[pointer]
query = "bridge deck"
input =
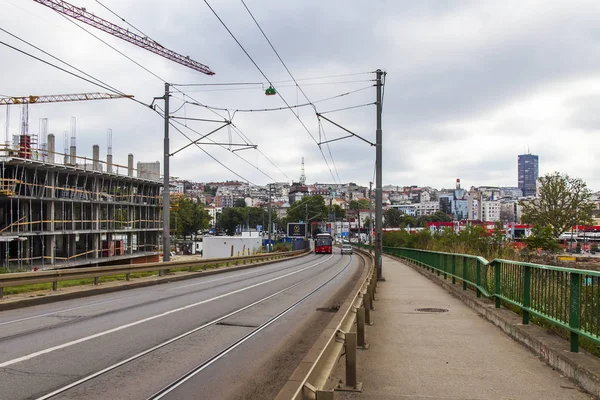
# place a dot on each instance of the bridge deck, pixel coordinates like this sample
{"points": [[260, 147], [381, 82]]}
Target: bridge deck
{"points": [[448, 355]]}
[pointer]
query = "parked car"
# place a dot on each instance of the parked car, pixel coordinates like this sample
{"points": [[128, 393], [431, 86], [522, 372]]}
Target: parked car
{"points": [[346, 249]]}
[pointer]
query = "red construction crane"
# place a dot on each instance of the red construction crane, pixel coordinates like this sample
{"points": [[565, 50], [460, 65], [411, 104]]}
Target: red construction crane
{"points": [[82, 15]]}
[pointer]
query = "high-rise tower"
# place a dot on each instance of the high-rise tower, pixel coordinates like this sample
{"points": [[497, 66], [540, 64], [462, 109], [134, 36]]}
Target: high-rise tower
{"points": [[528, 174]]}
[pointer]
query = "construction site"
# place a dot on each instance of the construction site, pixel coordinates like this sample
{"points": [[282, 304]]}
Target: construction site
{"points": [[58, 209]]}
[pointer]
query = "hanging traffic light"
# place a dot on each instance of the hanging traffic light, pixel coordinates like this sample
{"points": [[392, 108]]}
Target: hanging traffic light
{"points": [[270, 91]]}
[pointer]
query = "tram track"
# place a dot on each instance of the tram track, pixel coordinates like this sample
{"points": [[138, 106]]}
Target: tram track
{"points": [[79, 319], [216, 321]]}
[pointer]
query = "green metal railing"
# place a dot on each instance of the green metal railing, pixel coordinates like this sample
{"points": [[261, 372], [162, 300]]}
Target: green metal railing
{"points": [[565, 297]]}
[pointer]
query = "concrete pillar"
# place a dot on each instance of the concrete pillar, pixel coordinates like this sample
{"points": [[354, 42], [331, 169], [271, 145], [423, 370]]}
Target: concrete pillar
{"points": [[109, 163], [51, 148], [130, 165], [73, 155], [96, 157]]}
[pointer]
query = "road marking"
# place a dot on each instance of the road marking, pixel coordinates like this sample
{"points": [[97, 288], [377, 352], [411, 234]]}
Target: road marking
{"points": [[141, 321], [62, 311], [214, 280], [165, 343]]}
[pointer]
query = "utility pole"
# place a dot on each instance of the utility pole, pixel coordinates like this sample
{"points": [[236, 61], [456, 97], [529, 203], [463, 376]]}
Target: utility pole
{"points": [[378, 181], [370, 217], [270, 225], [166, 189]]}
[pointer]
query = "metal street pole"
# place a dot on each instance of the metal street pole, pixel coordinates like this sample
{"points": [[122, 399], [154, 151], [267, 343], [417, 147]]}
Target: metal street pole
{"points": [[166, 190], [270, 224], [378, 181]]}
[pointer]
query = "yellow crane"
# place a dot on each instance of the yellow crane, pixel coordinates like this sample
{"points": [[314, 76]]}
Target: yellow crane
{"points": [[59, 98], [55, 98]]}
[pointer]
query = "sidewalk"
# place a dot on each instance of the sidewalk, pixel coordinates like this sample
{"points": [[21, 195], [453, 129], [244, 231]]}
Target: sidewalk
{"points": [[444, 355]]}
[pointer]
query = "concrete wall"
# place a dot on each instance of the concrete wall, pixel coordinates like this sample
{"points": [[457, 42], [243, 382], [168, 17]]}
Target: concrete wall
{"points": [[220, 246]]}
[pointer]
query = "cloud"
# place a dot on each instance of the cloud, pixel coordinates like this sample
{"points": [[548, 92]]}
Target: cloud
{"points": [[470, 85]]}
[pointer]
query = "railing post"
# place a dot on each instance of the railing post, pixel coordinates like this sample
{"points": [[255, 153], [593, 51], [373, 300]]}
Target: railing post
{"points": [[478, 278], [54, 286], [360, 328], [95, 281], [464, 273], [445, 265], [453, 269], [127, 277], [497, 285], [350, 344], [526, 294], [439, 262], [367, 307], [575, 309], [1, 292]]}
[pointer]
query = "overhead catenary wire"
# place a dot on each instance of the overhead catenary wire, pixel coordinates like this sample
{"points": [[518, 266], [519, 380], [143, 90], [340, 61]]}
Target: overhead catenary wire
{"points": [[106, 85], [149, 71], [233, 152], [280, 108], [283, 81], [297, 86], [69, 72], [263, 84], [265, 76], [127, 22], [210, 155]]}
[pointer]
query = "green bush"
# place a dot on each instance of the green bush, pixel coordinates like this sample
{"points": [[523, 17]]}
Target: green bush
{"points": [[282, 247]]}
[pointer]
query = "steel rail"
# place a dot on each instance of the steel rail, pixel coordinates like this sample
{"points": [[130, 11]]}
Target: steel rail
{"points": [[174, 385], [183, 335], [312, 374], [57, 275]]}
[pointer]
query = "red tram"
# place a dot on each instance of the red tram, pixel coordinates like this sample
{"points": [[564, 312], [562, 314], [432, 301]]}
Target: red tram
{"points": [[323, 244]]}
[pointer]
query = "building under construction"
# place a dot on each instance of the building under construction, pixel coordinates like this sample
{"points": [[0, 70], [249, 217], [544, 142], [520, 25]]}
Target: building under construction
{"points": [[61, 210]]}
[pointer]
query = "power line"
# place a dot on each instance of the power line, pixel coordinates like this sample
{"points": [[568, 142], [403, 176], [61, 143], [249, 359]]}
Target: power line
{"points": [[67, 71], [265, 76], [235, 153], [295, 81], [280, 108], [347, 108], [112, 47], [158, 77], [284, 81], [123, 19], [208, 154]]}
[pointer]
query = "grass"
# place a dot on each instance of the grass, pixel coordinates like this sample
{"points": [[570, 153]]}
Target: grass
{"points": [[41, 287]]}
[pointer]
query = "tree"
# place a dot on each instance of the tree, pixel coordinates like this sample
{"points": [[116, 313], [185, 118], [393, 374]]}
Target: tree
{"points": [[561, 203], [312, 207], [392, 218], [339, 212], [230, 218], [359, 204], [542, 238], [189, 217]]}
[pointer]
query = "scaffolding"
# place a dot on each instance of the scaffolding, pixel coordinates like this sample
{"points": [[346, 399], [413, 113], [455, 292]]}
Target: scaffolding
{"points": [[70, 214]]}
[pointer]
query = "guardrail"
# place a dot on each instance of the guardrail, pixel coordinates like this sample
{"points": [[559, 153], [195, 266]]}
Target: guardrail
{"points": [[309, 379], [57, 275], [564, 297]]}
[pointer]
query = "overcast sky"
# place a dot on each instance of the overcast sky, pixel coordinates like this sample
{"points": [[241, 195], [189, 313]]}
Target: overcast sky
{"points": [[470, 85]]}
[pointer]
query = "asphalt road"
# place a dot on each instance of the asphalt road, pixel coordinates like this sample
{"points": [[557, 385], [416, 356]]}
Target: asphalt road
{"points": [[132, 344]]}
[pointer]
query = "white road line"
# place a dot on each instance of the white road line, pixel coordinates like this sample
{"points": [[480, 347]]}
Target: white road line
{"points": [[62, 311], [141, 321], [213, 280]]}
